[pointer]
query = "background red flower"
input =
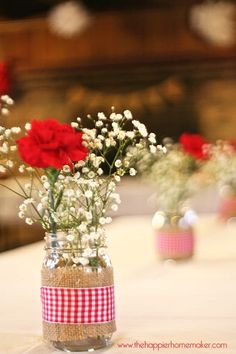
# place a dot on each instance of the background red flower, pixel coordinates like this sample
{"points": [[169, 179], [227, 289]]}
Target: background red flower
{"points": [[193, 145], [51, 144], [5, 81]]}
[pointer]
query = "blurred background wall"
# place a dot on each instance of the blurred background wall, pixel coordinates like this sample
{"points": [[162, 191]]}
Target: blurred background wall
{"points": [[148, 56]]}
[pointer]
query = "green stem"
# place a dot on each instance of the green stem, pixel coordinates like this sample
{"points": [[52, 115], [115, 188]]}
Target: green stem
{"points": [[12, 190]]}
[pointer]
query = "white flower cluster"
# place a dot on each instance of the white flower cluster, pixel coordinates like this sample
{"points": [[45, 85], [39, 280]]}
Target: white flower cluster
{"points": [[170, 171], [76, 199], [8, 148], [221, 166], [5, 102]]}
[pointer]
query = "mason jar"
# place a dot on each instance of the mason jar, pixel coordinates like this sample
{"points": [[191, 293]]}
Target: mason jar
{"points": [[77, 295], [174, 235]]}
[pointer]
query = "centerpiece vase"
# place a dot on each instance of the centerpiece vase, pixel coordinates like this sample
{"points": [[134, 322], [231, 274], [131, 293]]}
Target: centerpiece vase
{"points": [[77, 299], [174, 239]]}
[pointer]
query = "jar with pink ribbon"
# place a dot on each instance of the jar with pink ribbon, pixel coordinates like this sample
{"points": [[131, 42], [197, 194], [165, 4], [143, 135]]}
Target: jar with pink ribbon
{"points": [[174, 235]]}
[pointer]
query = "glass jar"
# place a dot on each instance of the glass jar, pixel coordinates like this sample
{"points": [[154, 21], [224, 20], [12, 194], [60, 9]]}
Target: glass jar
{"points": [[174, 236], [77, 296]]}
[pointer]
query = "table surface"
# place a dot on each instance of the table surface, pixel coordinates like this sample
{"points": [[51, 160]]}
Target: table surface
{"points": [[156, 302]]}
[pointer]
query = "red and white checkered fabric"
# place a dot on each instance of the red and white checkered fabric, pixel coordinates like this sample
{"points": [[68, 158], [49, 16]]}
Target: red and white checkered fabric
{"points": [[78, 305], [179, 242]]}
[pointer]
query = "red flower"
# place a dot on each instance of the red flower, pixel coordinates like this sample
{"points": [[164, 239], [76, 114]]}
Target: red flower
{"points": [[5, 81], [51, 144], [193, 145], [233, 144]]}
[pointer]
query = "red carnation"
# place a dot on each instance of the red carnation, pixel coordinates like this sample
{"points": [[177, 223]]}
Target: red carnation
{"points": [[51, 144], [233, 144], [193, 145], [5, 81]]}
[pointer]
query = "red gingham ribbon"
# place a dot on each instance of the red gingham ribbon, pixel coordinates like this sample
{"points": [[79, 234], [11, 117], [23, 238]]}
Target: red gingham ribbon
{"points": [[78, 305], [175, 242]]}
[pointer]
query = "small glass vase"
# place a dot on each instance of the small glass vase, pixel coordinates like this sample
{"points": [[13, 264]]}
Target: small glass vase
{"points": [[77, 299], [174, 236]]}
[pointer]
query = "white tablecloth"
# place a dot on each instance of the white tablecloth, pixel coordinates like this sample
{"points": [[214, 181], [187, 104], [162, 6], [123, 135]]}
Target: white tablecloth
{"points": [[156, 302]]}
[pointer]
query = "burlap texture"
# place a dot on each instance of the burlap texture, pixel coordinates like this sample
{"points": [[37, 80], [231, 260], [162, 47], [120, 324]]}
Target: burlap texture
{"points": [[74, 277], [175, 229]]}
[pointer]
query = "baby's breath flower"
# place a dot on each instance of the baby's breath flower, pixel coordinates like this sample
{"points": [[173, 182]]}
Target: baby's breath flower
{"points": [[4, 148], [128, 114], [10, 163], [118, 163], [152, 138], [2, 169], [16, 130], [66, 169], [104, 130], [27, 126], [29, 221], [108, 220], [70, 237], [87, 252], [132, 172], [121, 135], [46, 185], [88, 194], [116, 128], [84, 261], [82, 227], [116, 197], [79, 164], [29, 201], [91, 174], [102, 221], [99, 124], [21, 215], [118, 117], [98, 144], [23, 207], [112, 116], [126, 163], [21, 169], [101, 116], [114, 207], [74, 125], [111, 186], [153, 149], [121, 172], [44, 178], [117, 178], [40, 207], [8, 100], [85, 170], [108, 142], [5, 111], [130, 134], [30, 169], [101, 137]]}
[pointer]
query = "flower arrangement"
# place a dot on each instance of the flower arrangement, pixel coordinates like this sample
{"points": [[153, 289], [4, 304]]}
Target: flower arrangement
{"points": [[68, 189], [171, 170], [221, 166]]}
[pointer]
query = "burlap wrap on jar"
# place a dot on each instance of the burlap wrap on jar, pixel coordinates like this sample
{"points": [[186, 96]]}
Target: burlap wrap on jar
{"points": [[75, 277]]}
